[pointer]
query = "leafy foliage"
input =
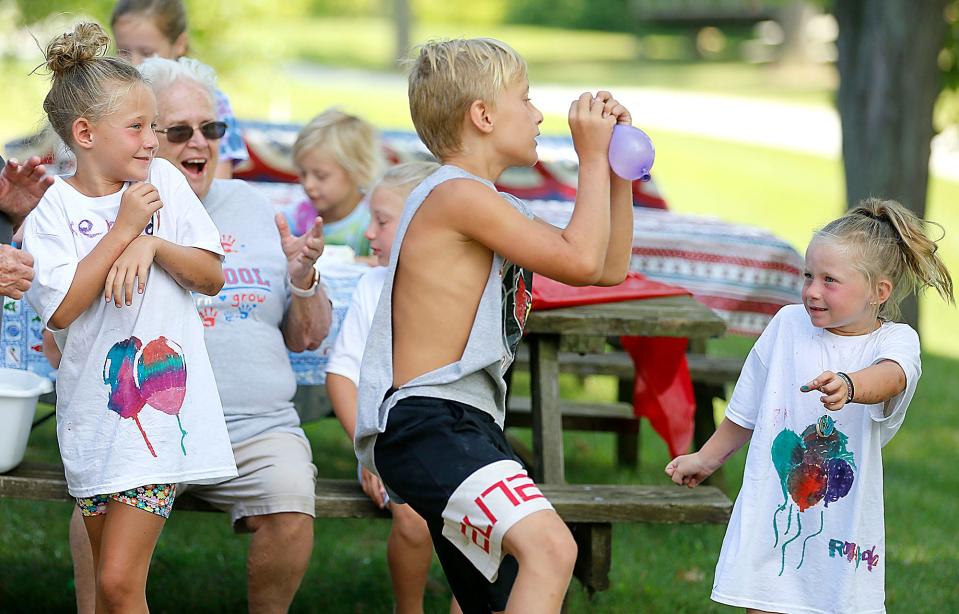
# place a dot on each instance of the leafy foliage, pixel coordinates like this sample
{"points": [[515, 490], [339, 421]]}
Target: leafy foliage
{"points": [[610, 15]]}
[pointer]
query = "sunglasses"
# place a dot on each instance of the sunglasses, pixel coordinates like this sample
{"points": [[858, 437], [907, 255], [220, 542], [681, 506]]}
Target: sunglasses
{"points": [[183, 133]]}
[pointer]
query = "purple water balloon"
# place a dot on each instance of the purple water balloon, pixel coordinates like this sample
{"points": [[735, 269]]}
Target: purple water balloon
{"points": [[631, 153]]}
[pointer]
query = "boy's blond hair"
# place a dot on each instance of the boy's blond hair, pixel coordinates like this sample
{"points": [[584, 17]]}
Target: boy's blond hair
{"points": [[351, 141], [448, 76]]}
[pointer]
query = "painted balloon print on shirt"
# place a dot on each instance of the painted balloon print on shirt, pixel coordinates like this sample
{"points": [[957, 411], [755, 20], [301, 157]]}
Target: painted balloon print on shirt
{"points": [[138, 375], [813, 468]]}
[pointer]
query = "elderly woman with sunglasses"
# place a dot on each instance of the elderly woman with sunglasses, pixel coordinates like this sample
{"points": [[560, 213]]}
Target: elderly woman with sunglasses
{"points": [[272, 302]]}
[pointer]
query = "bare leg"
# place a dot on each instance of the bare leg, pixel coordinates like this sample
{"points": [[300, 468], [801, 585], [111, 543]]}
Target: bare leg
{"points": [[409, 551], [279, 555], [84, 579], [546, 553], [123, 556]]}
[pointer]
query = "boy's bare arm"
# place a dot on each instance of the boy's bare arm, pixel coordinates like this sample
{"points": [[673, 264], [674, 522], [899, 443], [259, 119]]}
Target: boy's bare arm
{"points": [[575, 255], [620, 249]]}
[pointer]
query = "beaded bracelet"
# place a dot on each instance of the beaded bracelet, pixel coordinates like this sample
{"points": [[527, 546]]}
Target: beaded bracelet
{"points": [[850, 389]]}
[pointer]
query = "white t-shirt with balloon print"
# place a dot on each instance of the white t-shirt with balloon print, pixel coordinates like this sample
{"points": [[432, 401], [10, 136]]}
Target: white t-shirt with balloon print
{"points": [[807, 533], [136, 399]]}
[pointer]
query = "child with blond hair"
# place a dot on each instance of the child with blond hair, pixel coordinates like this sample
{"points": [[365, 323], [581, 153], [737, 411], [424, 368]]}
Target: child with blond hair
{"points": [[453, 309], [118, 247], [409, 550], [337, 157], [824, 388]]}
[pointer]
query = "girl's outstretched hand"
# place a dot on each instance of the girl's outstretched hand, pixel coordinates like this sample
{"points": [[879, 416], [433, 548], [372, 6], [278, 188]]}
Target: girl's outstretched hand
{"points": [[688, 470], [833, 388]]}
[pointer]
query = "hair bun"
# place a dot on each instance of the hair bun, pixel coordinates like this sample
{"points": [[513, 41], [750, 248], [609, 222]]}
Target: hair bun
{"points": [[72, 49]]}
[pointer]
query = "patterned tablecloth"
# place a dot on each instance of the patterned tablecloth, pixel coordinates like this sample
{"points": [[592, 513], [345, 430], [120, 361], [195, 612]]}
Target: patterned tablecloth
{"points": [[743, 273]]}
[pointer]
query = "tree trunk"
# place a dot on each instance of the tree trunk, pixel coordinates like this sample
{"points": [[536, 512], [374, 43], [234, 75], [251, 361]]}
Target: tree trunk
{"points": [[889, 81]]}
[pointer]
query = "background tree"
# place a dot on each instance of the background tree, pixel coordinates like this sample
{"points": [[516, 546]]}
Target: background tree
{"points": [[889, 80]]}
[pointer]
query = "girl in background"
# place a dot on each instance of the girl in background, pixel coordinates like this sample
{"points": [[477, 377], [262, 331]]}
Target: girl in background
{"points": [[146, 28], [337, 156]]}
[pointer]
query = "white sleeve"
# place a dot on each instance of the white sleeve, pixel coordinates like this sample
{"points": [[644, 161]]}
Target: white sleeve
{"points": [[901, 346], [744, 404], [47, 237], [347, 354], [194, 228]]}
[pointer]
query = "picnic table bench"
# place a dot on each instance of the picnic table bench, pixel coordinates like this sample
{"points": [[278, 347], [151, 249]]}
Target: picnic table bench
{"points": [[709, 375], [589, 510]]}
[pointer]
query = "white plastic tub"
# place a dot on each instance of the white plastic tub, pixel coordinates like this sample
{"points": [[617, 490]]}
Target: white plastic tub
{"points": [[18, 403]]}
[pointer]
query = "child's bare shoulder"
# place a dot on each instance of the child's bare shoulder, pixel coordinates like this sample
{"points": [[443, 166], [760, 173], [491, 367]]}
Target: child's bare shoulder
{"points": [[467, 201]]}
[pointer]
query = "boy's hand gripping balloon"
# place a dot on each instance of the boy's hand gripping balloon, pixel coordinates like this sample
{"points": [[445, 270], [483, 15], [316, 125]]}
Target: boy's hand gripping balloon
{"points": [[631, 153]]}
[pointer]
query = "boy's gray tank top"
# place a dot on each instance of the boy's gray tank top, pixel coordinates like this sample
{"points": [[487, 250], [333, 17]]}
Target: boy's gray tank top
{"points": [[476, 379]]}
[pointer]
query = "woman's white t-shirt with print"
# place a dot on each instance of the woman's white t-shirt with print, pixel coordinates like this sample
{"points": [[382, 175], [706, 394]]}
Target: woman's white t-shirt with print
{"points": [[807, 533], [136, 399]]}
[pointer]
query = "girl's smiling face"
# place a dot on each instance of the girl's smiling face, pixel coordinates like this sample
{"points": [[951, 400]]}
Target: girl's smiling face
{"points": [[123, 143], [837, 296]]}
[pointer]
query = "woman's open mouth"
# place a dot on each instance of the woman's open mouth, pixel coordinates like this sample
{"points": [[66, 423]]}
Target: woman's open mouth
{"points": [[194, 166]]}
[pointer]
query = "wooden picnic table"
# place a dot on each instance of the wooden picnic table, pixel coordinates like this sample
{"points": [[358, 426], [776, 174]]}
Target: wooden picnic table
{"points": [[585, 329]]}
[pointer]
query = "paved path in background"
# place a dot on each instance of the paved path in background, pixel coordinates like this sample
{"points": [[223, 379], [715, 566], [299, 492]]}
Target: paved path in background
{"points": [[803, 128], [768, 123]]}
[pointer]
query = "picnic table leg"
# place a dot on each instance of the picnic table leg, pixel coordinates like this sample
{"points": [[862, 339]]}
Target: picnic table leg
{"points": [[593, 561], [627, 440], [546, 418]]}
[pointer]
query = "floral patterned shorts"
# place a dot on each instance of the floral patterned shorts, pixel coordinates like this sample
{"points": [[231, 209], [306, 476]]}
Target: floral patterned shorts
{"points": [[154, 498]]}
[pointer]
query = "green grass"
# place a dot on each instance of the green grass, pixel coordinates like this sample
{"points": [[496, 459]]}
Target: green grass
{"points": [[656, 568]]}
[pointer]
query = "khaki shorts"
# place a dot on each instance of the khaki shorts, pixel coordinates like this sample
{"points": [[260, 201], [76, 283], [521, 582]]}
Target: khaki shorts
{"points": [[276, 474]]}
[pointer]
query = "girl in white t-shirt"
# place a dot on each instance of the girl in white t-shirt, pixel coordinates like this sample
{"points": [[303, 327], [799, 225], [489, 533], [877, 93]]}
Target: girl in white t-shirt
{"points": [[409, 547], [117, 248], [806, 533]]}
